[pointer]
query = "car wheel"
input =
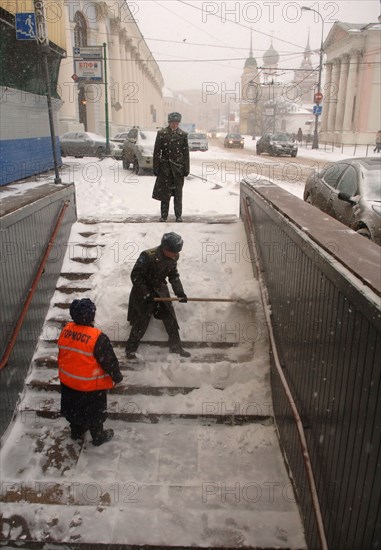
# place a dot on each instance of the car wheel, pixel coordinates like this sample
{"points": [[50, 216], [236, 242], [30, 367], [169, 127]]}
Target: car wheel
{"points": [[293, 154], [308, 199], [364, 231], [125, 164], [101, 152], [136, 167], [258, 151]]}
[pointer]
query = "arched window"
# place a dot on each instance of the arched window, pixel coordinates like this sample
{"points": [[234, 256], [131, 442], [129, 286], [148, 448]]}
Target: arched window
{"points": [[80, 30]]}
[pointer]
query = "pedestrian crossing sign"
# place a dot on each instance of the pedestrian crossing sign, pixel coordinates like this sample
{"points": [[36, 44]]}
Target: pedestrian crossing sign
{"points": [[25, 26]]}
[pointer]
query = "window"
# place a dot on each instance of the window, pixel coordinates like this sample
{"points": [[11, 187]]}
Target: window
{"points": [[348, 183], [333, 174], [80, 30]]}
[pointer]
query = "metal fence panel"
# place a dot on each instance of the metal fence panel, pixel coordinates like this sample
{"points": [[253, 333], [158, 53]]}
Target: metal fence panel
{"points": [[25, 234], [327, 327]]}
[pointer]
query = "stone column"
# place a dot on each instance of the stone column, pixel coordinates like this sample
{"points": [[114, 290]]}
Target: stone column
{"points": [[68, 113], [115, 76], [326, 103], [133, 89], [351, 89], [342, 93], [333, 94], [127, 85]]}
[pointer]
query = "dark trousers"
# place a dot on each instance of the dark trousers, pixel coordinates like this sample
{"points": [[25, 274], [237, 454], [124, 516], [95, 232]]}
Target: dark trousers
{"points": [[140, 326], [177, 204]]}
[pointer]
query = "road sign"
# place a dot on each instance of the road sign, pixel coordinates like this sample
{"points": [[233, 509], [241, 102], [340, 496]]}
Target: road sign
{"points": [[88, 52], [317, 110], [89, 70], [25, 26], [88, 64], [318, 97]]}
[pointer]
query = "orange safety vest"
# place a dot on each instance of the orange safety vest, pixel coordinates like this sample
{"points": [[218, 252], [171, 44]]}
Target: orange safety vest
{"points": [[77, 365]]}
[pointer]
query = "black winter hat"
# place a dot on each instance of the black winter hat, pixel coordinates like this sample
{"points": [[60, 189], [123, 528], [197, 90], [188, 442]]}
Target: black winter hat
{"points": [[174, 117], [82, 311], [172, 242]]}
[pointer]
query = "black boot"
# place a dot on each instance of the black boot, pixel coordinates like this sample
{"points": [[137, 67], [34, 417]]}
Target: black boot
{"points": [[100, 435], [179, 350]]}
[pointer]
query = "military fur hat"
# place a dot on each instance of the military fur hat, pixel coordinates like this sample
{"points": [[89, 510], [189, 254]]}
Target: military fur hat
{"points": [[82, 311], [172, 242], [174, 117]]}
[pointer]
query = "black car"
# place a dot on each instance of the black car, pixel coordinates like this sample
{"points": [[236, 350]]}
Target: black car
{"points": [[277, 144], [350, 191], [234, 140]]}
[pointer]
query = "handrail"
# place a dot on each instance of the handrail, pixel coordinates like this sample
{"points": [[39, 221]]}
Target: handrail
{"points": [[33, 288], [295, 413]]}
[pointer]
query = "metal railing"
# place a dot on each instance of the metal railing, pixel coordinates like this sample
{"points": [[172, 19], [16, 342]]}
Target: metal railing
{"points": [[324, 294]]}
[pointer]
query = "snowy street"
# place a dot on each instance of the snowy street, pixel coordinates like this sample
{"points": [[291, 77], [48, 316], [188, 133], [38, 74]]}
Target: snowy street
{"points": [[195, 459]]}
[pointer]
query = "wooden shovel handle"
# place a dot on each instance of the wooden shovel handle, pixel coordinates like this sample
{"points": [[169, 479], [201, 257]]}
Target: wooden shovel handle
{"points": [[175, 299]]}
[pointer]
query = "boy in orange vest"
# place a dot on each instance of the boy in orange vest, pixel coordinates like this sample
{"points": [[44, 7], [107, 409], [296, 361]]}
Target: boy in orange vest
{"points": [[88, 367]]}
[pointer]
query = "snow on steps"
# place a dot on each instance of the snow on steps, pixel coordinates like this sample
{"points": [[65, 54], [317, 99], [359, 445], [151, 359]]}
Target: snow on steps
{"points": [[191, 465], [171, 484]]}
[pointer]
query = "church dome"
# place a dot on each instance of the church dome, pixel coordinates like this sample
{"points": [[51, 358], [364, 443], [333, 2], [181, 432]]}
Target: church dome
{"points": [[250, 62], [271, 57]]}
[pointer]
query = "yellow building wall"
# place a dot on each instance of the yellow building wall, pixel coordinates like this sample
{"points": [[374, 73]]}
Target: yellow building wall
{"points": [[54, 15]]}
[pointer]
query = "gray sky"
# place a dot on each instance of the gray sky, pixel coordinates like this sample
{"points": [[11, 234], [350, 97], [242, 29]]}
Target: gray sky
{"points": [[196, 41]]}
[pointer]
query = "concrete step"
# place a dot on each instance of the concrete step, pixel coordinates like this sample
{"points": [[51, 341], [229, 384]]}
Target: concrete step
{"points": [[169, 485]]}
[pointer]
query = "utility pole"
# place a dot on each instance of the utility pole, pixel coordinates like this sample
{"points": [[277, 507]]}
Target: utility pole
{"points": [[43, 42], [315, 140], [106, 101]]}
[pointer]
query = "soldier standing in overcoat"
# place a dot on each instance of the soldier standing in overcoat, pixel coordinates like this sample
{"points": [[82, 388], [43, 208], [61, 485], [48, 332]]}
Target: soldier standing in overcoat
{"points": [[170, 166], [148, 277]]}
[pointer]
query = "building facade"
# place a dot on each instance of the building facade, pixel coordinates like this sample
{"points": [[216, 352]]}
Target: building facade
{"points": [[352, 89], [25, 134], [135, 82]]}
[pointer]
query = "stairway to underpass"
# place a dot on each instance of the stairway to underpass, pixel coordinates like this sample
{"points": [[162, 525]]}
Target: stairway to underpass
{"points": [[195, 460]]}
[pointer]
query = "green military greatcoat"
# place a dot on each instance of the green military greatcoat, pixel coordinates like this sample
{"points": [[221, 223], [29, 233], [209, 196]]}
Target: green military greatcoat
{"points": [[170, 162]]}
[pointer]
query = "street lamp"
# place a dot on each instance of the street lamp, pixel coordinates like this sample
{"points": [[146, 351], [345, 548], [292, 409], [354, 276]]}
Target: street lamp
{"points": [[315, 141]]}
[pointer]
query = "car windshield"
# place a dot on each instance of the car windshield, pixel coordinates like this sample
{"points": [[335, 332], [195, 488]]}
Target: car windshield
{"points": [[234, 136], [196, 136], [371, 184], [281, 137]]}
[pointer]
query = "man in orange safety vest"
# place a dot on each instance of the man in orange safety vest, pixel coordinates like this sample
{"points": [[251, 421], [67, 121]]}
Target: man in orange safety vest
{"points": [[88, 367]]}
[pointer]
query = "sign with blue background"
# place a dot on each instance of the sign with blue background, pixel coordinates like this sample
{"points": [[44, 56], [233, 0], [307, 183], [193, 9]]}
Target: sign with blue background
{"points": [[25, 26], [317, 110]]}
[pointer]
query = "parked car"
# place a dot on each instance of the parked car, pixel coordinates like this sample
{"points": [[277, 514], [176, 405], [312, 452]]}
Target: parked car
{"points": [[118, 140], [84, 144], [197, 141], [350, 191], [138, 150], [277, 144], [234, 140]]}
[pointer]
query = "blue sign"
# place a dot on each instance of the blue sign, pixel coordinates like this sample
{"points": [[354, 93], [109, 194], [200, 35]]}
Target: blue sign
{"points": [[25, 26], [317, 110]]}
